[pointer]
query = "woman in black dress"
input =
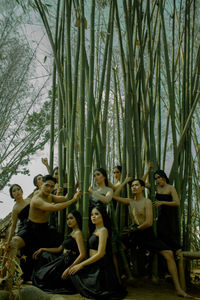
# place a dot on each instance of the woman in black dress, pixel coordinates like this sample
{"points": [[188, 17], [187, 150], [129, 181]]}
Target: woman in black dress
{"points": [[167, 202], [51, 269], [20, 210], [95, 277], [102, 193]]}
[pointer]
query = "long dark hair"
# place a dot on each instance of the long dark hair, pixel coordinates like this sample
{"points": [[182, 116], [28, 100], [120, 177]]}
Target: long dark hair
{"points": [[118, 167], [104, 173], [11, 188], [162, 174], [106, 221], [77, 215], [35, 180]]}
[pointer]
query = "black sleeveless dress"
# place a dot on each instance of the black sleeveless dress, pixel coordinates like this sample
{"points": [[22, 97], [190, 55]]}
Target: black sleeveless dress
{"points": [[23, 217], [98, 280], [168, 224], [49, 268]]}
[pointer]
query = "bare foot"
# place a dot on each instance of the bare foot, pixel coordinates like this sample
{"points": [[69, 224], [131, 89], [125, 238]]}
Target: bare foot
{"points": [[183, 294]]}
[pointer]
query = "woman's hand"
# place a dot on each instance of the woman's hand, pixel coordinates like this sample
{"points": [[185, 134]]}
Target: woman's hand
{"points": [[36, 253], [65, 273], [157, 203], [90, 190], [73, 270], [45, 161], [128, 179]]}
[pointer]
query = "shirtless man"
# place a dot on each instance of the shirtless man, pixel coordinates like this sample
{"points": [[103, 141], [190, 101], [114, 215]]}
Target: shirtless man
{"points": [[143, 235], [36, 233]]}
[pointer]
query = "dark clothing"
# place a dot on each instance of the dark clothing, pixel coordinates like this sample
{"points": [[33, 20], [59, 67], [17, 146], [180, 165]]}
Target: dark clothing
{"points": [[49, 268], [168, 222], [98, 280], [38, 235], [23, 217], [144, 239]]}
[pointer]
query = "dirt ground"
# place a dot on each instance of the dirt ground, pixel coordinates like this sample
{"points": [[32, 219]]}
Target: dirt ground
{"points": [[145, 290]]}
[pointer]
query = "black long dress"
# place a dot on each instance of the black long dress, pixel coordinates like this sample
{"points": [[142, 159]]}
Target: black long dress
{"points": [[98, 280], [23, 217], [48, 271], [26, 262], [167, 224]]}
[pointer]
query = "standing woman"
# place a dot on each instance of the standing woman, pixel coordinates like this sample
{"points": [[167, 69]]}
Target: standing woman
{"points": [[103, 193], [117, 172], [51, 268], [20, 209], [95, 277], [20, 213], [167, 202]]}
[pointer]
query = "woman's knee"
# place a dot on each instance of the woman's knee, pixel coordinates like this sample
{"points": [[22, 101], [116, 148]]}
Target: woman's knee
{"points": [[17, 242]]}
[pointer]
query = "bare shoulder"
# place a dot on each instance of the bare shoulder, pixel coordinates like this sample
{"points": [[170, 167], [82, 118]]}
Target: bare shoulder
{"points": [[77, 234], [28, 200], [171, 188], [103, 231]]}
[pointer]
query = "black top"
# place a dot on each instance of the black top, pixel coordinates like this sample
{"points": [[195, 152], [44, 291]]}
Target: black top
{"points": [[168, 222], [23, 215], [70, 244], [93, 242]]}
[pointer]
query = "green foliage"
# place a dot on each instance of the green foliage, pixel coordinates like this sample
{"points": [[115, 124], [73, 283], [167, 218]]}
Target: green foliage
{"points": [[24, 116]]}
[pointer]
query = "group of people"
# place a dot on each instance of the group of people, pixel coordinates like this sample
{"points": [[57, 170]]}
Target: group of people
{"points": [[65, 266]]}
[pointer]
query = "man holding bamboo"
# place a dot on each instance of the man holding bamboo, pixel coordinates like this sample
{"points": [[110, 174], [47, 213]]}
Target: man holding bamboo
{"points": [[142, 233], [36, 233]]}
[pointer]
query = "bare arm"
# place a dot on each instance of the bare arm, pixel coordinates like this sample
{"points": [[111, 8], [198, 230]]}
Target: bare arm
{"points": [[38, 203], [121, 199], [105, 199], [82, 253], [126, 180], [59, 199], [45, 162], [149, 216], [175, 199], [144, 177], [112, 186], [103, 236], [13, 226], [50, 250]]}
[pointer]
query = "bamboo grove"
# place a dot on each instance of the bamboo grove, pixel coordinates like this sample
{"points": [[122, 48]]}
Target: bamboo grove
{"points": [[126, 80]]}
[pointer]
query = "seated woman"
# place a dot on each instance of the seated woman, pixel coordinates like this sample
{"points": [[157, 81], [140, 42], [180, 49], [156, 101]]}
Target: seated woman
{"points": [[102, 193], [51, 268], [95, 277]]}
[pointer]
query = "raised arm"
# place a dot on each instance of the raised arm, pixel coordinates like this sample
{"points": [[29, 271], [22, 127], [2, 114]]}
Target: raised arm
{"points": [[126, 180], [103, 236], [82, 253], [45, 162], [144, 177], [38, 203], [59, 199], [121, 199]]}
